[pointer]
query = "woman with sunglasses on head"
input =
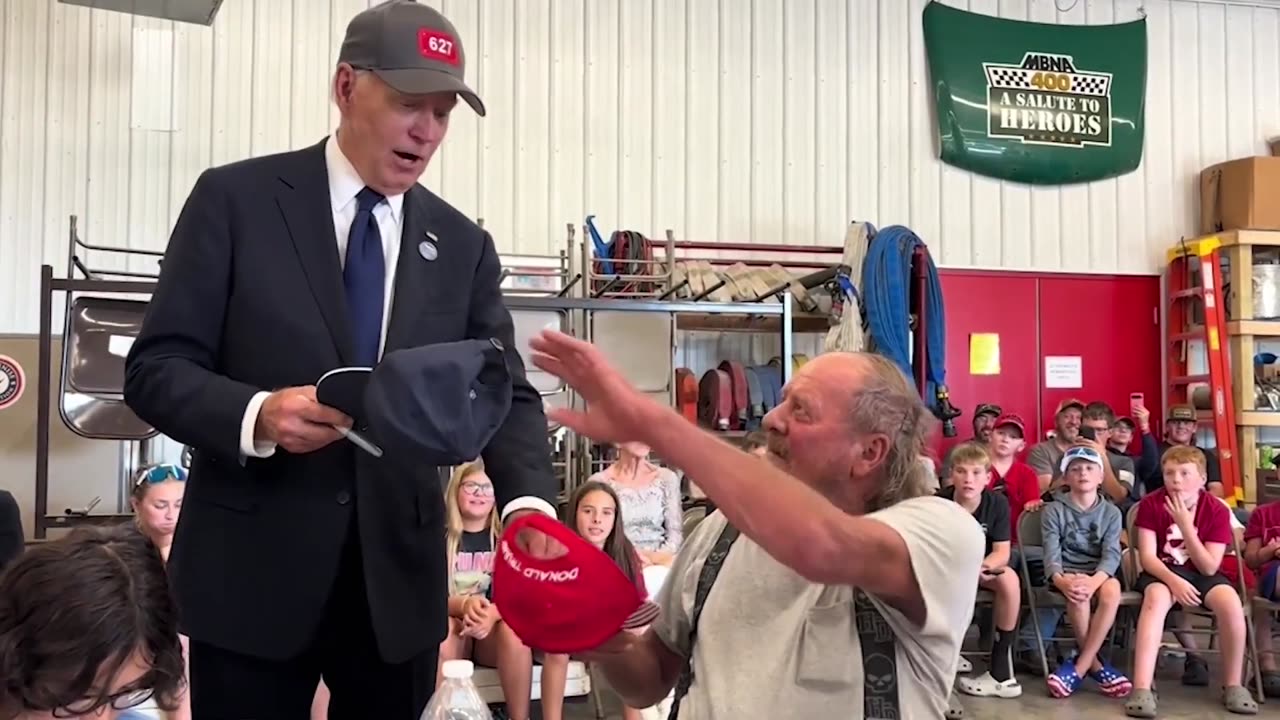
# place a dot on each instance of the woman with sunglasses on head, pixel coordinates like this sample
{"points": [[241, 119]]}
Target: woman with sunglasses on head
{"points": [[157, 501], [87, 629]]}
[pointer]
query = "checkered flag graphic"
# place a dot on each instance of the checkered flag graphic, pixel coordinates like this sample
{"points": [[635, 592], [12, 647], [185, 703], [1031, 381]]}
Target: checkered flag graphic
{"points": [[1014, 78], [1090, 84], [1007, 77]]}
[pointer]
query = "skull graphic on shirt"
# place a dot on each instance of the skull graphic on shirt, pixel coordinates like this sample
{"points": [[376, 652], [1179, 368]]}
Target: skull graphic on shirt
{"points": [[1175, 545]]}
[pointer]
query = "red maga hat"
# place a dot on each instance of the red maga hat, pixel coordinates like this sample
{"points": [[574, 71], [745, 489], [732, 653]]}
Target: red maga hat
{"points": [[565, 604]]}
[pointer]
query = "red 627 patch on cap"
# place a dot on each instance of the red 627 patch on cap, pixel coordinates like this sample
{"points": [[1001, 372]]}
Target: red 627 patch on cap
{"points": [[12, 381], [436, 45]]}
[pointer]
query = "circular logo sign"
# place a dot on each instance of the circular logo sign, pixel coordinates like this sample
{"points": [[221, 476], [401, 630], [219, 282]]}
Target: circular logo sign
{"points": [[12, 381]]}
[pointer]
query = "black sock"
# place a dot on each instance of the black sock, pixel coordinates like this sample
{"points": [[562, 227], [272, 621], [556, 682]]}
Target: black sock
{"points": [[1002, 656]]}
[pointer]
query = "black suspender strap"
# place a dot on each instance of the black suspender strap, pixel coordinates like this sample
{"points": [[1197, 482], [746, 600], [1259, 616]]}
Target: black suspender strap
{"points": [[880, 689], [706, 578]]}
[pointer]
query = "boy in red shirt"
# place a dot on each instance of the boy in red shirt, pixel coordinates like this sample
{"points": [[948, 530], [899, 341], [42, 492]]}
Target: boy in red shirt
{"points": [[1262, 554], [1008, 474], [1183, 532]]}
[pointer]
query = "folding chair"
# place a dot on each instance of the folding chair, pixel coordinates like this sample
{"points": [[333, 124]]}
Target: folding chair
{"points": [[1031, 534], [986, 598], [1273, 607], [97, 335], [1246, 602], [578, 683], [641, 346], [526, 325]]}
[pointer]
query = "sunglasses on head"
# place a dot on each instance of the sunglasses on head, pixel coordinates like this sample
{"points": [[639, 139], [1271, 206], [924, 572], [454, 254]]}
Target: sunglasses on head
{"points": [[162, 473]]}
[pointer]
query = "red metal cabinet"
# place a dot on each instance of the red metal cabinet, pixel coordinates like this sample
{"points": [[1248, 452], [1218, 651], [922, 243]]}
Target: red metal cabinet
{"points": [[1110, 322], [990, 302]]}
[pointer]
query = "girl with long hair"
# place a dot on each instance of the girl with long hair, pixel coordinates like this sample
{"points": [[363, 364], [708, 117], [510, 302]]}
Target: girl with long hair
{"points": [[596, 515], [156, 499], [476, 629]]}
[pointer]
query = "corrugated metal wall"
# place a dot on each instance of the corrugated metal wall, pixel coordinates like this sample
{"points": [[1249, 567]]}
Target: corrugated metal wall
{"points": [[762, 121]]}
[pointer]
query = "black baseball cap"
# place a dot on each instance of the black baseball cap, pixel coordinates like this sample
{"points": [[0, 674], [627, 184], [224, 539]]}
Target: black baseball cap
{"points": [[411, 47], [987, 409], [438, 404]]}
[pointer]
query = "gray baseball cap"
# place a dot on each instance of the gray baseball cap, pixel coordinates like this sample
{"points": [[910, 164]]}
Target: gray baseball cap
{"points": [[411, 47]]}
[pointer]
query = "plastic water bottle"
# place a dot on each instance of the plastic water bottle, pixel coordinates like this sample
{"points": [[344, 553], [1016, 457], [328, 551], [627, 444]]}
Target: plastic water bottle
{"points": [[457, 697]]}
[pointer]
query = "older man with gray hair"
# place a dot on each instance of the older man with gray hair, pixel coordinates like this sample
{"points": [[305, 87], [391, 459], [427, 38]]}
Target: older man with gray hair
{"points": [[829, 578]]}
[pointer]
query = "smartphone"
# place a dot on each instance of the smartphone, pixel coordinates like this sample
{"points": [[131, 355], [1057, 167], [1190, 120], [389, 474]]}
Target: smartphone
{"points": [[1137, 400], [1088, 432]]}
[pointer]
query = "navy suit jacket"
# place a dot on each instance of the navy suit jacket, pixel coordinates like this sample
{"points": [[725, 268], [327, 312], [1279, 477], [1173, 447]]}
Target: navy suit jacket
{"points": [[250, 298]]}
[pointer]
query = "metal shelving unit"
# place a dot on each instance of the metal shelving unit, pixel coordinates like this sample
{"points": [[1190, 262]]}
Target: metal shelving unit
{"points": [[756, 317], [1243, 335]]}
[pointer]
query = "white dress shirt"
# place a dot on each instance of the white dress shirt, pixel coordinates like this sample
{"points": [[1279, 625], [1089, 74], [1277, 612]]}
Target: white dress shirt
{"points": [[344, 184]]}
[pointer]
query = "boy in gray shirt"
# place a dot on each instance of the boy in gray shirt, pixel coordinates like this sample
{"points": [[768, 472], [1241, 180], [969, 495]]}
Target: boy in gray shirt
{"points": [[1081, 559]]}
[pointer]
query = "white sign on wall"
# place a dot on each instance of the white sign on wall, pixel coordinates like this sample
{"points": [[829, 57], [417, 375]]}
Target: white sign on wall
{"points": [[1063, 371]]}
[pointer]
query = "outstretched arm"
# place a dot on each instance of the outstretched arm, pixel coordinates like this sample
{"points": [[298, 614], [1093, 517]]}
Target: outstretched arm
{"points": [[790, 520]]}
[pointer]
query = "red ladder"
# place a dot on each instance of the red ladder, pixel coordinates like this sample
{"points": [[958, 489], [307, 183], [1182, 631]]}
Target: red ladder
{"points": [[1186, 260]]}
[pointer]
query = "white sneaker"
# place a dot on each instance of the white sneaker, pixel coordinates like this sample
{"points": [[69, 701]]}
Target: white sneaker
{"points": [[986, 686]]}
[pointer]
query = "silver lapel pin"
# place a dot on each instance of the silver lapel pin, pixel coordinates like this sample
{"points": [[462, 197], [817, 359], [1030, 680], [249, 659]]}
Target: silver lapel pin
{"points": [[427, 248]]}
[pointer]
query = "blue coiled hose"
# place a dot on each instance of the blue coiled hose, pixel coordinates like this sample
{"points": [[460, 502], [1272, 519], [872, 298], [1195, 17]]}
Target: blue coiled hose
{"points": [[886, 286]]}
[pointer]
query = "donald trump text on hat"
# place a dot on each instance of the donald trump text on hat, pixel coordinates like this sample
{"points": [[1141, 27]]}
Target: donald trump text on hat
{"points": [[553, 576]]}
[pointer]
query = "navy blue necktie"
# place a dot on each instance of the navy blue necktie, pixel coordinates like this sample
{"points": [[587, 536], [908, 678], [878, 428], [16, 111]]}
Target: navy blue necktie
{"points": [[364, 277]]}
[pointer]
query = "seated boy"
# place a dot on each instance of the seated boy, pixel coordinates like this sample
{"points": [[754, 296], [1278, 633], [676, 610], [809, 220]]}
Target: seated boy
{"points": [[1262, 554], [970, 473], [1081, 560], [1015, 478], [1183, 533], [1021, 488], [1195, 672]]}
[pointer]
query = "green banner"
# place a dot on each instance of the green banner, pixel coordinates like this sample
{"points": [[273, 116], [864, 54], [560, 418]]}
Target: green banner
{"points": [[1033, 102]]}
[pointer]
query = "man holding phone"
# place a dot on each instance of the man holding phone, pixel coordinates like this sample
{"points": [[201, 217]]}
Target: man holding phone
{"points": [[1118, 473], [1137, 422]]}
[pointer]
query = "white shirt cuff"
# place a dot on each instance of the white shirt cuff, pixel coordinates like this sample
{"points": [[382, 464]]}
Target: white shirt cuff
{"points": [[249, 448], [529, 502]]}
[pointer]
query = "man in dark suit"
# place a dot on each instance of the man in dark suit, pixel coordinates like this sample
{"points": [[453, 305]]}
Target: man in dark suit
{"points": [[298, 556]]}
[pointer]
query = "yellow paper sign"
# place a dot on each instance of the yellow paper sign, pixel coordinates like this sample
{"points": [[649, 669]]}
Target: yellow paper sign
{"points": [[984, 354]]}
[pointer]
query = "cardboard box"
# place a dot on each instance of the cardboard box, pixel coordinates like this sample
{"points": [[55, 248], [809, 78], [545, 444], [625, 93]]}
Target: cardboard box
{"points": [[1241, 194]]}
